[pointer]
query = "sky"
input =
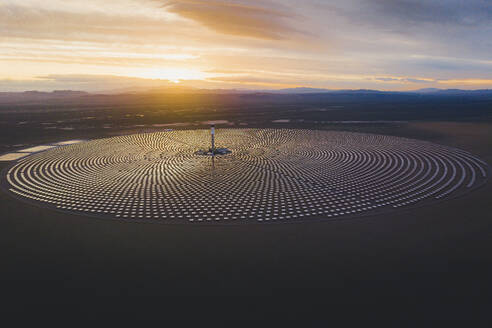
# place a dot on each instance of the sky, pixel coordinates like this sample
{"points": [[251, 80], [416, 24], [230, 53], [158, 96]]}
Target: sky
{"points": [[118, 45]]}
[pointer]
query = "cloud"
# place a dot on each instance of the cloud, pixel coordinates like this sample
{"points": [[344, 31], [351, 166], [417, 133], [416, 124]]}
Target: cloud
{"points": [[465, 82], [431, 27], [419, 80], [248, 79], [450, 64], [403, 79], [257, 19], [464, 13], [36, 22], [336, 44], [386, 79]]}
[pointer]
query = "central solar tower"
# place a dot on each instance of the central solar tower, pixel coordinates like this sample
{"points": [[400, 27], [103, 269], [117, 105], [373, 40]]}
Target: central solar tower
{"points": [[212, 134], [212, 150]]}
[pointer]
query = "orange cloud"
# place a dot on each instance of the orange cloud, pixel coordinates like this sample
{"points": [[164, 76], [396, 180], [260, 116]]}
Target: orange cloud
{"points": [[467, 81], [260, 19]]}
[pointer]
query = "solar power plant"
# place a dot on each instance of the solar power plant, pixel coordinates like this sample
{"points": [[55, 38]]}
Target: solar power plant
{"points": [[271, 175]]}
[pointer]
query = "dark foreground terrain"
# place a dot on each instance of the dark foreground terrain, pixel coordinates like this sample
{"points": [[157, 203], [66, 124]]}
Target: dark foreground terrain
{"points": [[430, 266]]}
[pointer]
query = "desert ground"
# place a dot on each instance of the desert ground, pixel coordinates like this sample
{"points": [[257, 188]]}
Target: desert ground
{"points": [[438, 257]]}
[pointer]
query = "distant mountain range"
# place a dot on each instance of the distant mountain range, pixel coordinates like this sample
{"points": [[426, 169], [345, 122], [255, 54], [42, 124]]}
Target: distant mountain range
{"points": [[453, 91], [29, 96], [70, 95], [427, 91]]}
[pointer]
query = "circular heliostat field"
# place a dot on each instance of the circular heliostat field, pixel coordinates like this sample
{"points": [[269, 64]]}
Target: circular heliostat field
{"points": [[269, 175]]}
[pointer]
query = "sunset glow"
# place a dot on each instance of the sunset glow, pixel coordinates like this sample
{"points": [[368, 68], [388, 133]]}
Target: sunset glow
{"points": [[171, 74], [386, 45]]}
